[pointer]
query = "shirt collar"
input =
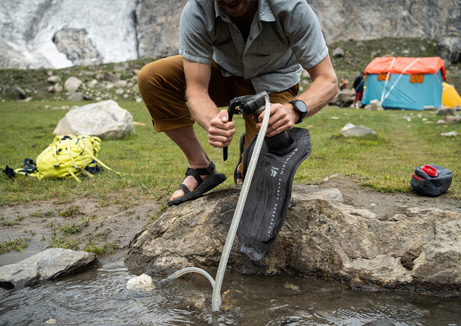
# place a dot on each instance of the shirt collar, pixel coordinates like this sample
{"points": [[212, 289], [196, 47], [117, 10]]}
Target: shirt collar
{"points": [[265, 12]]}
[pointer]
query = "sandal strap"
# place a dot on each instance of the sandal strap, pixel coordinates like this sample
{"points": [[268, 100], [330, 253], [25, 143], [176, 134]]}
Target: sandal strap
{"points": [[196, 173], [184, 188]]}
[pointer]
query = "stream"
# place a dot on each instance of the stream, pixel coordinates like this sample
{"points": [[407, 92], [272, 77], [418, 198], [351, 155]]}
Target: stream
{"points": [[99, 297]]}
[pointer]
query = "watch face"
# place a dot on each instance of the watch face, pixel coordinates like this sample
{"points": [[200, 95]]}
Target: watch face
{"points": [[301, 108]]}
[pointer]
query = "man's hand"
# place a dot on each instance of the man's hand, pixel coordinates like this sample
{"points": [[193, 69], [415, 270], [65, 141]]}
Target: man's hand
{"points": [[281, 118], [221, 130]]}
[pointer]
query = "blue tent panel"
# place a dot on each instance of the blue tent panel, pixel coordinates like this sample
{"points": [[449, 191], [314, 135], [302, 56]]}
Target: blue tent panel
{"points": [[405, 95]]}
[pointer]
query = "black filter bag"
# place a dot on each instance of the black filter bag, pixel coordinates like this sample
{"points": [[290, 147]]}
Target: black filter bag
{"points": [[269, 194], [431, 180]]}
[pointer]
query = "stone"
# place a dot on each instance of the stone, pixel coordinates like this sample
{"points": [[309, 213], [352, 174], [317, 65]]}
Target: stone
{"points": [[112, 77], [142, 283], [46, 265], [374, 105], [452, 119], [418, 249], [338, 53], [54, 79], [76, 97], [445, 111], [350, 130], [106, 120], [72, 84], [19, 93], [344, 98], [449, 134]]}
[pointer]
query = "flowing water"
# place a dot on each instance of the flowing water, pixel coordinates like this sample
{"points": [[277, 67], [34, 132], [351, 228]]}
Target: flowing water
{"points": [[99, 297]]}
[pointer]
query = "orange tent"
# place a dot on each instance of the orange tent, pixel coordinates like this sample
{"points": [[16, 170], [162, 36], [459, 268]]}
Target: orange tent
{"points": [[408, 66], [405, 83]]}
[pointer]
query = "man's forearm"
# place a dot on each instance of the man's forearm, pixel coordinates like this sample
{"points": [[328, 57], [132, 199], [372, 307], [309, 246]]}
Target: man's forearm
{"points": [[320, 92], [201, 107]]}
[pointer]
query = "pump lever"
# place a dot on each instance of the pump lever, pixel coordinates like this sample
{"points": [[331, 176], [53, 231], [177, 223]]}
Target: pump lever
{"points": [[231, 110]]}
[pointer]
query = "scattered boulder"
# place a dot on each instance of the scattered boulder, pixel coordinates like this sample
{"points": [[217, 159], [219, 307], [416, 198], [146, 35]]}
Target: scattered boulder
{"points": [[112, 77], [46, 265], [106, 120], [338, 53], [76, 97], [449, 134], [344, 98], [445, 111], [54, 79], [452, 118], [72, 84], [350, 130], [374, 105], [418, 249], [19, 93], [141, 283]]}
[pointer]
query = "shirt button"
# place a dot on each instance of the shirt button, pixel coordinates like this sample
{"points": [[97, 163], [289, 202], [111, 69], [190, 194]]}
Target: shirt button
{"points": [[251, 38]]}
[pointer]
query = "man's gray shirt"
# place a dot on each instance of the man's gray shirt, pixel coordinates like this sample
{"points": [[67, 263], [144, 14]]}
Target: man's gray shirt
{"points": [[284, 35]]}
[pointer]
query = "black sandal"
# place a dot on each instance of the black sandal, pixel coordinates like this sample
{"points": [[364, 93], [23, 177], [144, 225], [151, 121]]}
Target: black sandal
{"points": [[213, 180]]}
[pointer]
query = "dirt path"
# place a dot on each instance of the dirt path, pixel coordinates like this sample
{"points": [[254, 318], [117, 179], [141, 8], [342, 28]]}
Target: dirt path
{"points": [[111, 225]]}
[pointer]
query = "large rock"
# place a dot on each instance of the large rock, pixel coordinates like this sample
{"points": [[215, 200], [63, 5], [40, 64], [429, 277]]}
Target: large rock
{"points": [[106, 120], [450, 49], [344, 98], [416, 248], [72, 84], [46, 265]]}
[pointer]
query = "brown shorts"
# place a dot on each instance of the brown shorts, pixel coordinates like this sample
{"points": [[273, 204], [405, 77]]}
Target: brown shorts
{"points": [[162, 86]]}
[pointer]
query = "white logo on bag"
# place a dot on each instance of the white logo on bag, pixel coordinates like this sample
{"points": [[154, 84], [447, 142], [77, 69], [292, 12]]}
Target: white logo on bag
{"points": [[274, 171]]}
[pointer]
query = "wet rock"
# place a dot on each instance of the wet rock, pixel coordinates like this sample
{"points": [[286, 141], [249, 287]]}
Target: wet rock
{"points": [[46, 265], [106, 120], [72, 84], [350, 130], [417, 249], [142, 283]]}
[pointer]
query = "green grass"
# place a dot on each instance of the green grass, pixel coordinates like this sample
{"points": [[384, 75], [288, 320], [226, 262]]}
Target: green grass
{"points": [[13, 244], [150, 164]]}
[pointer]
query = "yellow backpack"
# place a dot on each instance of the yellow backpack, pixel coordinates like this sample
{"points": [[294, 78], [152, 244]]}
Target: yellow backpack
{"points": [[66, 157]]}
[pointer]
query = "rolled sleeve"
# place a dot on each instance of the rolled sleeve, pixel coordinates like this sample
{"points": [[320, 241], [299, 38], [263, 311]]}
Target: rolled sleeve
{"points": [[194, 41]]}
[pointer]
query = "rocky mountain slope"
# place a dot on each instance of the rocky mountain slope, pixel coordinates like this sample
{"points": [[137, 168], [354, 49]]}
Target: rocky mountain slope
{"points": [[57, 34]]}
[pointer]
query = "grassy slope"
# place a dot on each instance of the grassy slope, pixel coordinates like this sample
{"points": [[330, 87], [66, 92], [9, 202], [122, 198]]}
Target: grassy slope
{"points": [[150, 164]]}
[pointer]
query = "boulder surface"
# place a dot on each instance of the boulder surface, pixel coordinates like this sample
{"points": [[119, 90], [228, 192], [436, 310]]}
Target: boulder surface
{"points": [[409, 247]]}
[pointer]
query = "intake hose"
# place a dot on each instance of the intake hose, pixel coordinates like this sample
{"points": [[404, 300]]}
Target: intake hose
{"points": [[216, 297]]}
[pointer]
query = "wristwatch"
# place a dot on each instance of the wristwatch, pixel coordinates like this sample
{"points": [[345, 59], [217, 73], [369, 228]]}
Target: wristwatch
{"points": [[301, 108]]}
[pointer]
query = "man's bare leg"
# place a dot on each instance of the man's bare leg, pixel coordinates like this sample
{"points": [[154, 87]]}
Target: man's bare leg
{"points": [[187, 141]]}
